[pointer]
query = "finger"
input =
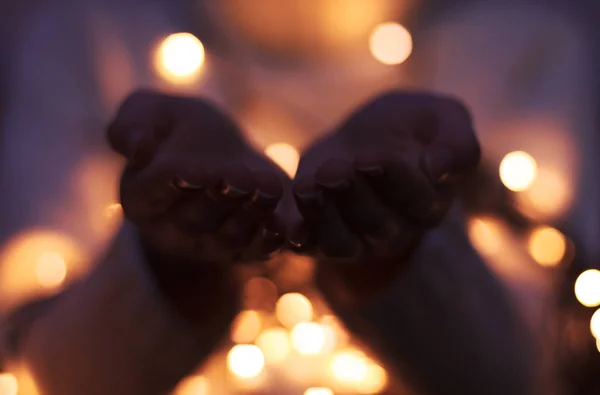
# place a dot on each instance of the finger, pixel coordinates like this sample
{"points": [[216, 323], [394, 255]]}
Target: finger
{"points": [[152, 191], [405, 190], [142, 121], [267, 241], [454, 148], [204, 212], [333, 237], [240, 228]]}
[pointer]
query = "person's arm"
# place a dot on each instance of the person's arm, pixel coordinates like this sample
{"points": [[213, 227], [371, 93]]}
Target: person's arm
{"points": [[442, 321], [116, 332]]}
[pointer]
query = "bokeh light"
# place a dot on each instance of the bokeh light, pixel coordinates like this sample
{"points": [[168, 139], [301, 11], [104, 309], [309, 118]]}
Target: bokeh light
{"points": [[335, 333], [349, 366], [180, 57], [285, 156], [193, 385], [375, 380], [587, 288], [293, 308], [598, 344], [274, 344], [318, 391], [391, 43], [518, 171], [113, 210], [51, 269], [308, 338], [595, 324], [547, 246], [8, 384], [245, 361], [484, 233], [246, 327]]}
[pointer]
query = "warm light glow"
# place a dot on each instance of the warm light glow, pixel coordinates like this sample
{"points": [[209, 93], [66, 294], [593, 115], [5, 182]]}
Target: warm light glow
{"points": [[308, 338], [318, 391], [335, 333], [246, 327], [51, 269], [350, 366], [113, 210], [180, 57], [8, 384], [595, 324], [245, 361], [484, 233], [598, 344], [275, 345], [518, 171], [547, 246], [375, 381], [391, 43], [193, 385], [587, 288], [549, 197], [285, 156], [292, 309]]}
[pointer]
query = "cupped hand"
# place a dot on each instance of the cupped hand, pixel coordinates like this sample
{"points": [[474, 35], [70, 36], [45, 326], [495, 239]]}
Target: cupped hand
{"points": [[369, 191]]}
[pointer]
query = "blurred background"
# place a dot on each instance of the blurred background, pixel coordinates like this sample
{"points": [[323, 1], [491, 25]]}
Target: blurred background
{"points": [[288, 71]]}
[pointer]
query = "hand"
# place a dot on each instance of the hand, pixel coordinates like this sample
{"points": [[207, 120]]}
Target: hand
{"points": [[199, 197], [391, 177]]}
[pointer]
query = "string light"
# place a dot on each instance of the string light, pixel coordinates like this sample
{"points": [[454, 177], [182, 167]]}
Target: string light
{"points": [[8, 384], [275, 345], [349, 366], [547, 246], [180, 58], [374, 382], [285, 156], [193, 385], [318, 391], [518, 171], [595, 324], [245, 361], [391, 43], [51, 269], [587, 288], [113, 210], [308, 338], [484, 233], [293, 308], [246, 327]]}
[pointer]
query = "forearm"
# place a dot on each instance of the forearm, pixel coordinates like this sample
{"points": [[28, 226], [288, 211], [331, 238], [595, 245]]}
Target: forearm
{"points": [[445, 321], [117, 333]]}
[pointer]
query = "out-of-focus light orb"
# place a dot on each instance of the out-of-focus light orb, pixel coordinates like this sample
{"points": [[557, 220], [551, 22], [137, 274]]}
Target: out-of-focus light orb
{"points": [[518, 171], [318, 391], [293, 308], [595, 324], [51, 269], [547, 246], [245, 361], [350, 366], [587, 288], [485, 234], [374, 382], [598, 344], [391, 43], [308, 338], [8, 384], [193, 385], [275, 345], [246, 327], [180, 57], [113, 210], [285, 156], [335, 333], [549, 197]]}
